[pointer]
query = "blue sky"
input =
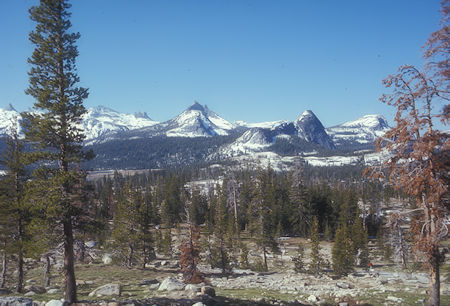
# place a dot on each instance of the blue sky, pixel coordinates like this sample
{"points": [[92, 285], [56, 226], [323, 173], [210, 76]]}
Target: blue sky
{"points": [[252, 60]]}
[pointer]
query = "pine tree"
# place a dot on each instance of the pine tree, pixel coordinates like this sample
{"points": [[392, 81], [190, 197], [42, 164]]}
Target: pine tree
{"points": [[198, 207], [360, 240], [245, 199], [172, 205], [316, 262], [167, 242], [60, 108], [243, 260], [299, 260], [126, 228], [15, 211], [343, 257], [159, 241], [262, 208], [145, 216], [300, 215], [219, 249]]}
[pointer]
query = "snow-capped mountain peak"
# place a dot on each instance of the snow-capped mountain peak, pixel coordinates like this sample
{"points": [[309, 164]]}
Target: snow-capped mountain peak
{"points": [[363, 130], [197, 106], [142, 115], [376, 122], [198, 121], [101, 121], [311, 129], [9, 107], [306, 114], [9, 120]]}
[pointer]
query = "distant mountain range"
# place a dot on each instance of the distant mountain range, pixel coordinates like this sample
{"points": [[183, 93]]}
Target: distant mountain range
{"points": [[106, 128]]}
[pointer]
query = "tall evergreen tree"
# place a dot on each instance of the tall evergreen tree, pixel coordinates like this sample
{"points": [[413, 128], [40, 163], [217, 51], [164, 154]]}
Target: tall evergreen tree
{"points": [[262, 221], [59, 109], [342, 251], [219, 250], [300, 214], [358, 235], [316, 262]]}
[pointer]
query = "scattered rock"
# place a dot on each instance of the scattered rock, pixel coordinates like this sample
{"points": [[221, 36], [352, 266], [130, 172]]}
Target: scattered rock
{"points": [[343, 285], [56, 303], [191, 287], [91, 243], [171, 284], [343, 304], [198, 304], [164, 263], [35, 289], [108, 289], [30, 293], [4, 291], [16, 301], [394, 299], [52, 291], [208, 290], [149, 282], [107, 259], [313, 299]]}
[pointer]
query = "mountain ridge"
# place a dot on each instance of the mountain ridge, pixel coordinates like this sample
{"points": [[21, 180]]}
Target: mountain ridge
{"points": [[119, 138], [102, 123]]}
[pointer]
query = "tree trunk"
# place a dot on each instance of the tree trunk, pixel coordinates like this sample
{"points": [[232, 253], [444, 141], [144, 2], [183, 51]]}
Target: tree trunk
{"points": [[265, 259], [435, 285], [130, 256], [82, 251], [47, 271], [3, 275], [20, 272], [70, 292], [145, 257]]}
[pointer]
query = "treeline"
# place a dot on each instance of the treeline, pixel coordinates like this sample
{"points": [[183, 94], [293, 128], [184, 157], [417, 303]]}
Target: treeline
{"points": [[139, 214]]}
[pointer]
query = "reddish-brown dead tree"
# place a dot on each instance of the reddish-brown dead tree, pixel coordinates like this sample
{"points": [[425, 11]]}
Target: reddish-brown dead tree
{"points": [[419, 163], [190, 256]]}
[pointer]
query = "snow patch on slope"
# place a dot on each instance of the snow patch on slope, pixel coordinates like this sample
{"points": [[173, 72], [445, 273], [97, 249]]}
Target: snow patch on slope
{"points": [[253, 140]]}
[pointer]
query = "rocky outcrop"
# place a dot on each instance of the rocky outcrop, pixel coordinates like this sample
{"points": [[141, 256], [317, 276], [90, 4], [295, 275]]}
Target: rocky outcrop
{"points": [[16, 301], [171, 284], [108, 290]]}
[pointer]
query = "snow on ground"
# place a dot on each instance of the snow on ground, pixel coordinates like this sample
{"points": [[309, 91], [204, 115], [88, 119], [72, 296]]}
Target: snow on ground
{"points": [[262, 125], [331, 160]]}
